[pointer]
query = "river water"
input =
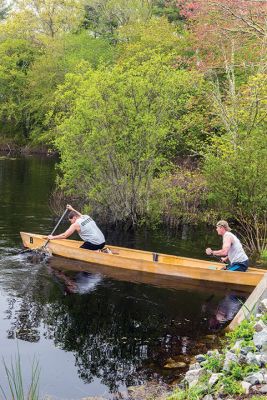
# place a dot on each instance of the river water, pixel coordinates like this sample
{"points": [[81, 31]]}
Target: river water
{"points": [[96, 333]]}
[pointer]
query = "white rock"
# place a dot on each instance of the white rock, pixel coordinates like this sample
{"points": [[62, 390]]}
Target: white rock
{"points": [[260, 338], [237, 345], [194, 374], [193, 383], [264, 357], [263, 305], [208, 397], [246, 350], [263, 389], [194, 366], [214, 378], [229, 358], [246, 386], [259, 326], [253, 358], [254, 378], [214, 352]]}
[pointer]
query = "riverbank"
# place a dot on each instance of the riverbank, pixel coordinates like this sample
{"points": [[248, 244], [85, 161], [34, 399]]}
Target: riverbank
{"points": [[27, 149], [237, 371]]}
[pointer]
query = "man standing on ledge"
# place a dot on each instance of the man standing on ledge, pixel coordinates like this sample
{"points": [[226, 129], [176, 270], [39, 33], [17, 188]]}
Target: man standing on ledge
{"points": [[232, 249], [86, 228]]}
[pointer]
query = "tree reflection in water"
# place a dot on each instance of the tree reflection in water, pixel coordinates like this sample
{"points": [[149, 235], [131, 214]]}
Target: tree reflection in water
{"points": [[119, 332]]}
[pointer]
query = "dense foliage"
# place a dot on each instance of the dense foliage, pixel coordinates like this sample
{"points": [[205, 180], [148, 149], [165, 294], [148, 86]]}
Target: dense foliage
{"points": [[157, 108]]}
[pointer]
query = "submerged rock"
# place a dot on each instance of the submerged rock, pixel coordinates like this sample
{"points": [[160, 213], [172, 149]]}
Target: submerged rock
{"points": [[175, 364], [148, 391]]}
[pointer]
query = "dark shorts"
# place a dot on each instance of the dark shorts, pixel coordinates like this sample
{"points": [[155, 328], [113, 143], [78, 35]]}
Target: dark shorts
{"points": [[241, 267], [91, 246]]}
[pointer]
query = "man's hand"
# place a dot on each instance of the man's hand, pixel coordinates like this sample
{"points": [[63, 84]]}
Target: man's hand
{"points": [[224, 259], [50, 237], [209, 251], [69, 207]]}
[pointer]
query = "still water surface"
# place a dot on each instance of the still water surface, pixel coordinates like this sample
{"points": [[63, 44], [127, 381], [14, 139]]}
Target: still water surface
{"points": [[96, 333]]}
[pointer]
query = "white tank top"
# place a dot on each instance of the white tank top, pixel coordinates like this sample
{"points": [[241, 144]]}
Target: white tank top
{"points": [[89, 231], [236, 252]]}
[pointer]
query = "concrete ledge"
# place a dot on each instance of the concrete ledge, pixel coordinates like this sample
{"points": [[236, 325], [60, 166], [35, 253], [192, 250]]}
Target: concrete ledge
{"points": [[250, 306]]}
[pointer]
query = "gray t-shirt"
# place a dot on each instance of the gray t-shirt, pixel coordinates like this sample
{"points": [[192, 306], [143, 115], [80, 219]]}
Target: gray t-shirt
{"points": [[236, 253], [89, 231]]}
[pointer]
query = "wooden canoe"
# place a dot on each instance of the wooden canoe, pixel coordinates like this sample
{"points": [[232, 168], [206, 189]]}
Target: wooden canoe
{"points": [[139, 260]]}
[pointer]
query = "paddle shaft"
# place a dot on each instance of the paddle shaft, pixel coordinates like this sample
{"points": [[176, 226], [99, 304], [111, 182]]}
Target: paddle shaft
{"points": [[57, 225], [218, 258]]}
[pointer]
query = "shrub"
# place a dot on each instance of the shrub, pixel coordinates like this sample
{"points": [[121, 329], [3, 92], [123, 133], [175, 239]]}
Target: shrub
{"points": [[244, 331]]}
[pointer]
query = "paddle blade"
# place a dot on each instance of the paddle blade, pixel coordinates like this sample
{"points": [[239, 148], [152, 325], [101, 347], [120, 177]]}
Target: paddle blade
{"points": [[38, 256]]}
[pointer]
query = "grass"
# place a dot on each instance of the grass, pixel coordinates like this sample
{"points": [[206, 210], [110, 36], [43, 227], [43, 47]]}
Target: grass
{"points": [[15, 381]]}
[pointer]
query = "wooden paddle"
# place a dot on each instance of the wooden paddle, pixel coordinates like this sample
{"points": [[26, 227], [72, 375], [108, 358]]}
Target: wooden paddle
{"points": [[55, 228], [43, 248]]}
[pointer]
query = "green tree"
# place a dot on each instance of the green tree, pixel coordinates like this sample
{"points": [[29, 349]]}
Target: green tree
{"points": [[49, 70], [39, 23], [179, 197], [157, 34], [103, 17], [168, 9], [39, 19], [235, 162], [16, 57], [113, 128]]}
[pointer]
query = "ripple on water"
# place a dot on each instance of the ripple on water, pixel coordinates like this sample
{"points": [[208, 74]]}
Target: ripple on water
{"points": [[11, 260]]}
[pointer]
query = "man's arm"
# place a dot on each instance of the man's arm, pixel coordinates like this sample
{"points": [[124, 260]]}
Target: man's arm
{"points": [[65, 234], [227, 242], [69, 207]]}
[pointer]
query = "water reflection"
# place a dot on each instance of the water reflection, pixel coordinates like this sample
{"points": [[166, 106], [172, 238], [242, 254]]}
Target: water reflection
{"points": [[227, 308], [125, 333], [81, 283], [123, 329]]}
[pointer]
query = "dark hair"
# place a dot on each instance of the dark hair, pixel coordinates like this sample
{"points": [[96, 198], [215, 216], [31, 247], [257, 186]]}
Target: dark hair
{"points": [[73, 214]]}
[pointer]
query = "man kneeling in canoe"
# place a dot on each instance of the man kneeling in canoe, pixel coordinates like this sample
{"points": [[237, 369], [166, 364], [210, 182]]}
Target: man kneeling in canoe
{"points": [[86, 228], [232, 249]]}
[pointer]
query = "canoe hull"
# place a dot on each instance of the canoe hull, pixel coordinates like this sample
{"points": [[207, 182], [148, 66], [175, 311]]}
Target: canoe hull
{"points": [[142, 261]]}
